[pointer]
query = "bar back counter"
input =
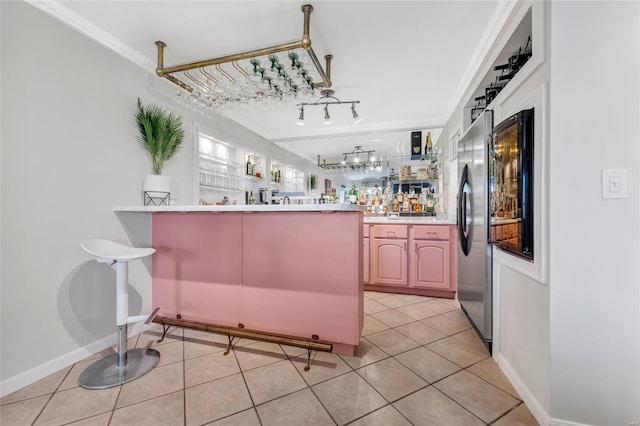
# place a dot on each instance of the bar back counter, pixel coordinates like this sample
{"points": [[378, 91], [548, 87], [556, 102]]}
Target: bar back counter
{"points": [[289, 274]]}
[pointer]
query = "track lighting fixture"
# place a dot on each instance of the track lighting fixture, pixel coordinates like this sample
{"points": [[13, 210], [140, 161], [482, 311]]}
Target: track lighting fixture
{"points": [[328, 99], [359, 165]]}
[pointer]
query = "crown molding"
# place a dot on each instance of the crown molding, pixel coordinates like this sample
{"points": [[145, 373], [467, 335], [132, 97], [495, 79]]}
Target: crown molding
{"points": [[485, 44], [63, 14]]}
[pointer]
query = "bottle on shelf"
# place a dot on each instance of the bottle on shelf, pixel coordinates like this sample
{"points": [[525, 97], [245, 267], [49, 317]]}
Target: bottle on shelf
{"points": [[428, 148], [343, 196], [395, 206], [430, 209], [386, 198], [257, 169], [249, 165], [375, 202], [363, 195], [353, 194]]}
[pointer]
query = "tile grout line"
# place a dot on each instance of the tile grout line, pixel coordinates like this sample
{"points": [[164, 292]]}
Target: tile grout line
{"points": [[312, 391], [246, 385], [50, 396]]}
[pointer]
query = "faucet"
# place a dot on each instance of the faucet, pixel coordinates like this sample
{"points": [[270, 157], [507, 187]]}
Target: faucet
{"points": [[286, 200]]}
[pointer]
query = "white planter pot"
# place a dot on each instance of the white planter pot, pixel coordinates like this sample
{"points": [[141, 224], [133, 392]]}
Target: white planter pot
{"points": [[156, 186]]}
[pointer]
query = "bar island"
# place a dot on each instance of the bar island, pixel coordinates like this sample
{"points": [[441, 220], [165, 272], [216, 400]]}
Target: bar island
{"points": [[285, 273]]}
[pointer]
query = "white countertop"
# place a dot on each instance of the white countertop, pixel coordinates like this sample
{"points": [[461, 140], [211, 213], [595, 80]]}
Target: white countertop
{"points": [[243, 208], [420, 220]]}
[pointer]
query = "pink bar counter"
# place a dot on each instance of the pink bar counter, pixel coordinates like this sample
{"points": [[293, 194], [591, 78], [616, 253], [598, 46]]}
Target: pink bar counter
{"points": [[283, 270]]}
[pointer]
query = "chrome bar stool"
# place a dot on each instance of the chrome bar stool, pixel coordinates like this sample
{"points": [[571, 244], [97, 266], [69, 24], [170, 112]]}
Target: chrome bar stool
{"points": [[125, 365]]}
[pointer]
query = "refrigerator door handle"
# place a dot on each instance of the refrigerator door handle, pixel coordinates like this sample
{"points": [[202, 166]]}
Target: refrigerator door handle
{"points": [[462, 211]]}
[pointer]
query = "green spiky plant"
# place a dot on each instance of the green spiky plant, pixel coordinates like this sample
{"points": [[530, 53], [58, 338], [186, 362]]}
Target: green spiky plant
{"points": [[161, 133]]}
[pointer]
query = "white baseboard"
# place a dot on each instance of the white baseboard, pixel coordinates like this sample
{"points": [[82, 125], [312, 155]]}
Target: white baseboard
{"points": [[31, 376], [527, 397], [558, 422]]}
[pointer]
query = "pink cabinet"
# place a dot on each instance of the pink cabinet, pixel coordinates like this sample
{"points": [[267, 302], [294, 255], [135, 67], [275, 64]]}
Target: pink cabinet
{"points": [[430, 266], [194, 274], [389, 261], [301, 274], [295, 274], [415, 259]]}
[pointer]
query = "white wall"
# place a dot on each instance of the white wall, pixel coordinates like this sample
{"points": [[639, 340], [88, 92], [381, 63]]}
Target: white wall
{"points": [[595, 301], [69, 155]]}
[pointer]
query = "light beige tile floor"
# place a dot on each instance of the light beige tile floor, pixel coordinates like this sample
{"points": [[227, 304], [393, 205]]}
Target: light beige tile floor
{"points": [[419, 363]]}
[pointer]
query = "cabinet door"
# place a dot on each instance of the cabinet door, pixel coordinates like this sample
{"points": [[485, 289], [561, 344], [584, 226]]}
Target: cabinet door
{"points": [[197, 267], [307, 285], [389, 261], [431, 265], [365, 260]]}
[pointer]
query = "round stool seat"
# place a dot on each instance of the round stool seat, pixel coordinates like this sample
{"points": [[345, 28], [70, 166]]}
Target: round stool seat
{"points": [[111, 250]]}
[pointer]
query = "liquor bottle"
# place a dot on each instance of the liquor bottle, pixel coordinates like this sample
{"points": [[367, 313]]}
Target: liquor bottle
{"points": [[362, 197], [249, 166], [386, 198], [406, 206], [430, 208], [375, 202], [428, 148], [400, 198], [353, 194]]}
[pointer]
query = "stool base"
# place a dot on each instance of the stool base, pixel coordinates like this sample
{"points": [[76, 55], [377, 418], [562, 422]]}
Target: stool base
{"points": [[105, 373]]}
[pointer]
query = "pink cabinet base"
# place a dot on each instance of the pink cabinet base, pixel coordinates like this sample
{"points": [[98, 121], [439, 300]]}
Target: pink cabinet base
{"points": [[428, 269], [297, 274]]}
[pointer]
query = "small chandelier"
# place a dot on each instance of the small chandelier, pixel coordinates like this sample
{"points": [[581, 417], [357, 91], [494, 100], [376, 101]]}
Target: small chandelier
{"points": [[326, 100], [356, 161]]}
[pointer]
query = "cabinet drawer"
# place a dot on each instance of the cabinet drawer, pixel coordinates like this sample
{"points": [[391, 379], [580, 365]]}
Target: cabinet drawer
{"points": [[365, 231], [431, 232], [389, 231]]}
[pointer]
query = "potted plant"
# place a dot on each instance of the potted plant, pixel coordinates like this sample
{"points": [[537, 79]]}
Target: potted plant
{"points": [[161, 135]]}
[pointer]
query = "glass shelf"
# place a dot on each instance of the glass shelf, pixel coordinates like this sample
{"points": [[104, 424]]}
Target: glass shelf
{"points": [[212, 173], [425, 157], [216, 160], [219, 188]]}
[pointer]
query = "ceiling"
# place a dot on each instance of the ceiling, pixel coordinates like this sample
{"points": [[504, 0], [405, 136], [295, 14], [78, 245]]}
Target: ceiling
{"points": [[408, 62]]}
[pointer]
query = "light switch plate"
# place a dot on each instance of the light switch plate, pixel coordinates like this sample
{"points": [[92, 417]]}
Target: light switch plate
{"points": [[614, 183]]}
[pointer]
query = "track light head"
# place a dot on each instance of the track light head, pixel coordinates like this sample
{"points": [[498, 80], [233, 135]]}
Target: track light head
{"points": [[327, 118], [300, 121], [356, 117]]}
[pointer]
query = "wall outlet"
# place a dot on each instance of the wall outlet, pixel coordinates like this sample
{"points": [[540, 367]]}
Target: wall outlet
{"points": [[614, 183]]}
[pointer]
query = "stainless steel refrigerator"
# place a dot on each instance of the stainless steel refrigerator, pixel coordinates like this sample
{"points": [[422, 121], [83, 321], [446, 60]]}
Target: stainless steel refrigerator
{"points": [[474, 250]]}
